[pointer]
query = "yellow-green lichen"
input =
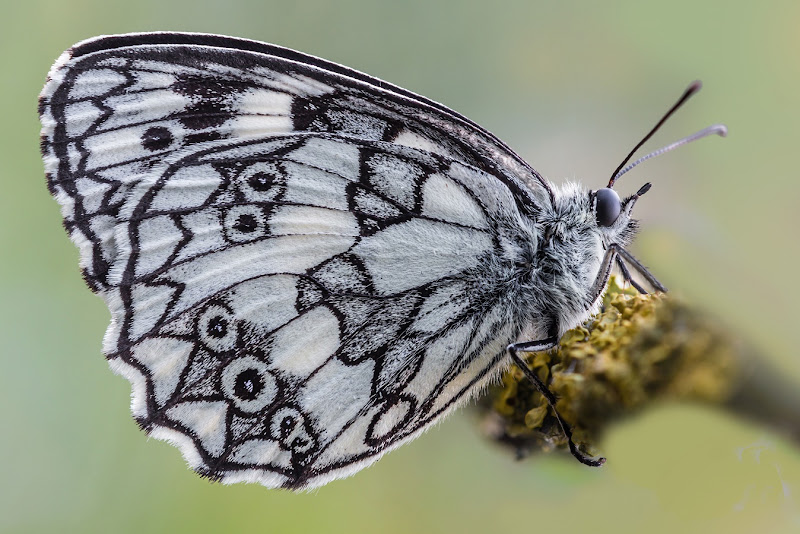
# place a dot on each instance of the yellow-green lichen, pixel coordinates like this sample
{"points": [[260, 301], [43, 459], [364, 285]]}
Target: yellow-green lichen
{"points": [[640, 349]]}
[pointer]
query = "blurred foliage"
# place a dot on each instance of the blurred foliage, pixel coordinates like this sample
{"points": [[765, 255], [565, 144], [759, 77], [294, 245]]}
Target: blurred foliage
{"points": [[570, 85]]}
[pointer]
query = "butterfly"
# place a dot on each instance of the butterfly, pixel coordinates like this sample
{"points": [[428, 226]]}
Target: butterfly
{"points": [[306, 266]]}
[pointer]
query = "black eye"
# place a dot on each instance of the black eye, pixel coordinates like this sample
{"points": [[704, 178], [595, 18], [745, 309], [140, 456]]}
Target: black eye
{"points": [[217, 327], [156, 138], [260, 181], [607, 206], [246, 223], [248, 384], [288, 424]]}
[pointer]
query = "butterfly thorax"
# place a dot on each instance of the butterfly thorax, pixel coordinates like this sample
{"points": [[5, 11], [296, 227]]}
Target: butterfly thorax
{"points": [[569, 257]]}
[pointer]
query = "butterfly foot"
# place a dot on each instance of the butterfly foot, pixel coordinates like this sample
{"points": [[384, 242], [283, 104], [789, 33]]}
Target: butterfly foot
{"points": [[546, 344], [584, 458]]}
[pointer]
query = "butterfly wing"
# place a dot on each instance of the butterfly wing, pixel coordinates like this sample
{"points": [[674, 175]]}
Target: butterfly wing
{"points": [[297, 257], [114, 105]]}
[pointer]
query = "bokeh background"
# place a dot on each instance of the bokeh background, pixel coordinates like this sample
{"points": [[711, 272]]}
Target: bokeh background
{"points": [[571, 86]]}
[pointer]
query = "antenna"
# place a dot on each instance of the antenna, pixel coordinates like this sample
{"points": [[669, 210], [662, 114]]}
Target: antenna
{"points": [[692, 89], [718, 129]]}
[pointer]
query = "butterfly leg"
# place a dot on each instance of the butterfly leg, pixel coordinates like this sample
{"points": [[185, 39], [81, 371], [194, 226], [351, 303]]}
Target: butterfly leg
{"points": [[626, 274], [637, 265], [537, 346], [599, 284]]}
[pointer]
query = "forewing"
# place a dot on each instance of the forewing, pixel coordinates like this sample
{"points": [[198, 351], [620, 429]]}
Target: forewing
{"points": [[114, 106]]}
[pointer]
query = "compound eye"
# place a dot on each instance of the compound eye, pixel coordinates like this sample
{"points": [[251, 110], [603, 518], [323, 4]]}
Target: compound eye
{"points": [[607, 206]]}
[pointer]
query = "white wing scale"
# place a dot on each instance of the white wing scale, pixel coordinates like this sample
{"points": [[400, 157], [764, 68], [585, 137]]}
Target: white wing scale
{"points": [[298, 262]]}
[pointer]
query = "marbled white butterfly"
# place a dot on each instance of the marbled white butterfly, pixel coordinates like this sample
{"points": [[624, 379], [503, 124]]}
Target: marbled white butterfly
{"points": [[307, 267]]}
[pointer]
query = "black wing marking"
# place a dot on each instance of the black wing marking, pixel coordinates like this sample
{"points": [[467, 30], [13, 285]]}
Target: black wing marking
{"points": [[116, 106], [287, 279], [306, 267]]}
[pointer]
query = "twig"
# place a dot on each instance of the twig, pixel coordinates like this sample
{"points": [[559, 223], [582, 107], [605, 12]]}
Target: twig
{"points": [[641, 350]]}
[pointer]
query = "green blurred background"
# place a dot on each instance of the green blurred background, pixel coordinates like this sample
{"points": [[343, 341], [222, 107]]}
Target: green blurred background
{"points": [[571, 86]]}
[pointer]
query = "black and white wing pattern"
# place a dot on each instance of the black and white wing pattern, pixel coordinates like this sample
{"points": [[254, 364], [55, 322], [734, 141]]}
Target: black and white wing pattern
{"points": [[304, 265]]}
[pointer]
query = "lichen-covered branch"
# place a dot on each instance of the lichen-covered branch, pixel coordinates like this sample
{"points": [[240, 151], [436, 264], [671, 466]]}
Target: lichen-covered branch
{"points": [[641, 350]]}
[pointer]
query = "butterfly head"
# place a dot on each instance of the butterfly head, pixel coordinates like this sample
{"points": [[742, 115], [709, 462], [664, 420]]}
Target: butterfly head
{"points": [[613, 214], [608, 207]]}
